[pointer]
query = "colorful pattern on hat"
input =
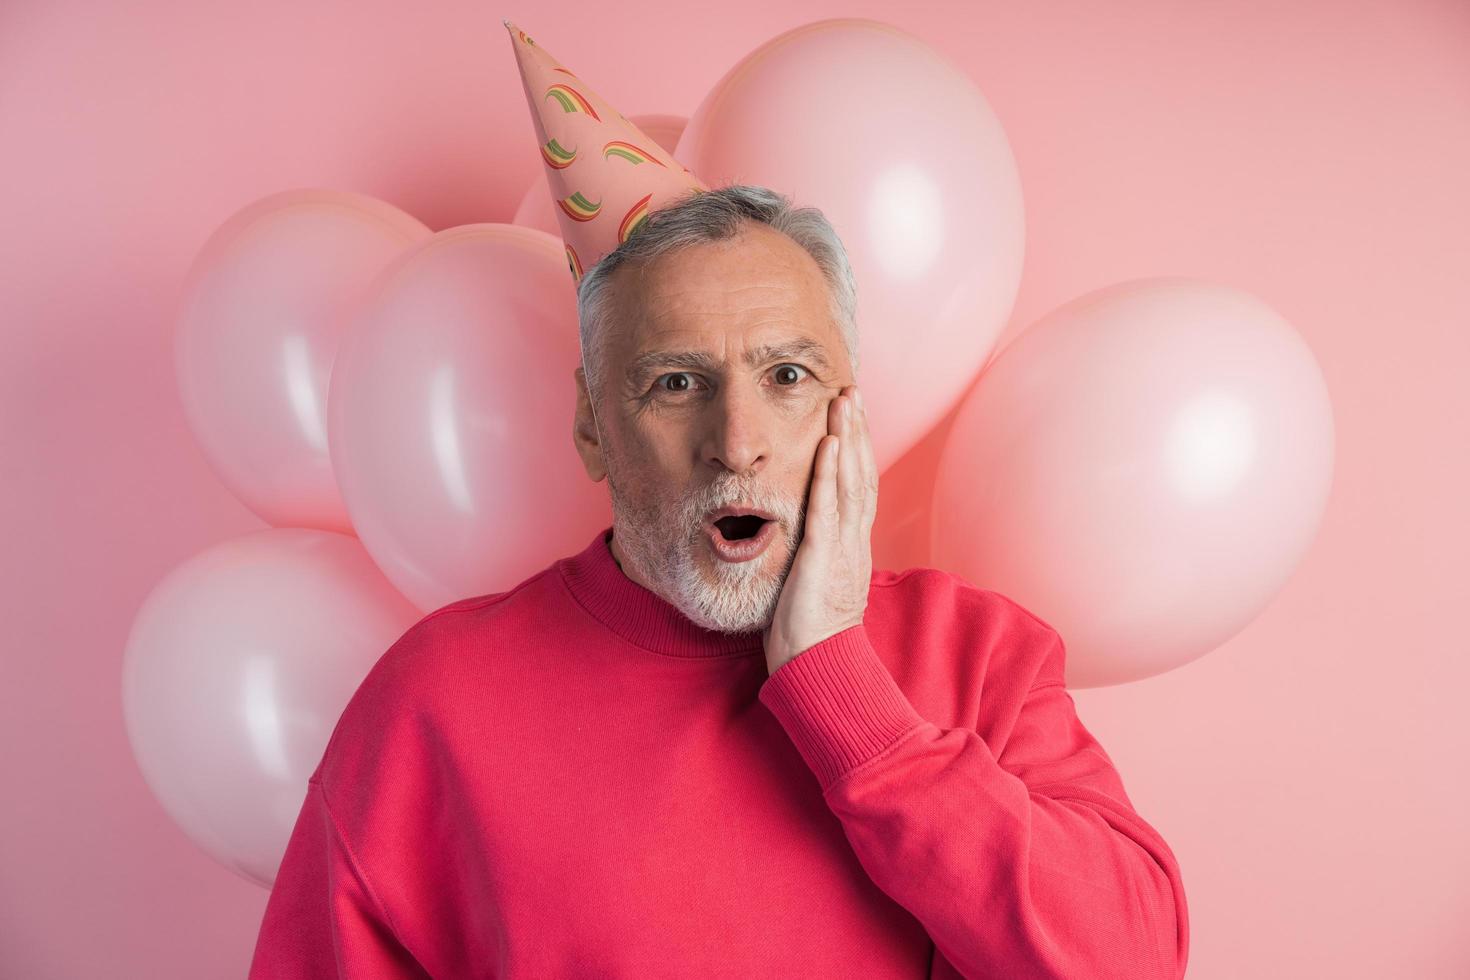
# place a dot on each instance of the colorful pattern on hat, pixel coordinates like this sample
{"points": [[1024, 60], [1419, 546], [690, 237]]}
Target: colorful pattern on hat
{"points": [[605, 174]]}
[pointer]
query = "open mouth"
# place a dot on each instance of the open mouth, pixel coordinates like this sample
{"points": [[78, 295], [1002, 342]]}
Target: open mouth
{"points": [[738, 527]]}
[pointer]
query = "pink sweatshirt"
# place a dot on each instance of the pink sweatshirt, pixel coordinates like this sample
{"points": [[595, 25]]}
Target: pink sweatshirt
{"points": [[571, 779]]}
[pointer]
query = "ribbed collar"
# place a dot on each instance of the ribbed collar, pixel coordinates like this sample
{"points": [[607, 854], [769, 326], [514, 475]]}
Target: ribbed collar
{"points": [[638, 615]]}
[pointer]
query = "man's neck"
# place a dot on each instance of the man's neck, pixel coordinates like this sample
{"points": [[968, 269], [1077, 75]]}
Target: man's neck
{"points": [[622, 565]]}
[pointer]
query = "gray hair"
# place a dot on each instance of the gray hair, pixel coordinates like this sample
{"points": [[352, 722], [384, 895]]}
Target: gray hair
{"points": [[711, 215]]}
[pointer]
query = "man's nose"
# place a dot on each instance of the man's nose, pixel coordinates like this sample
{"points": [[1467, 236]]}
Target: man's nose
{"points": [[739, 436]]}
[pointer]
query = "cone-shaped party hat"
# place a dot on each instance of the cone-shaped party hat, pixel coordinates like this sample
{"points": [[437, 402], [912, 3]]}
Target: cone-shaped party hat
{"points": [[605, 174]]}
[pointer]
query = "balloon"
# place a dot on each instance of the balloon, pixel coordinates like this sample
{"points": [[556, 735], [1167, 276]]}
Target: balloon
{"points": [[450, 415], [237, 668], [538, 211], [904, 156], [256, 336], [1143, 468]]}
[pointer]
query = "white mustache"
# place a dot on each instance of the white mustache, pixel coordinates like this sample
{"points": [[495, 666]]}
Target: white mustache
{"points": [[696, 507]]}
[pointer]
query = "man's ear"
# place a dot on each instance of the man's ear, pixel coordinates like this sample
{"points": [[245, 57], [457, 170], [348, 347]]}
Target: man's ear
{"points": [[584, 431]]}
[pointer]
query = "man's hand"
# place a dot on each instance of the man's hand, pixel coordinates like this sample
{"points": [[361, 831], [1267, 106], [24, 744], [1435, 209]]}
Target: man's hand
{"points": [[826, 590]]}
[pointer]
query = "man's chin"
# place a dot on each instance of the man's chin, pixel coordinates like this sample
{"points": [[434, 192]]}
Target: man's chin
{"points": [[731, 597]]}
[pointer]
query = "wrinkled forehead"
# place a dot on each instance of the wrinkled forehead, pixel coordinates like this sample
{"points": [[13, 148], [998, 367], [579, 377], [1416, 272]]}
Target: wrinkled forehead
{"points": [[760, 289]]}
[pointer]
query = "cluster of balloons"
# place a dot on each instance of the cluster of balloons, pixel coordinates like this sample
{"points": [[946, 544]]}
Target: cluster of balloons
{"points": [[1142, 468]]}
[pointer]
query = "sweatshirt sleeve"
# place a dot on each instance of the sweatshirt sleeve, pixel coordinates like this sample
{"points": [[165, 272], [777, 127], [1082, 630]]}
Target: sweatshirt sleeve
{"points": [[1032, 864], [322, 918]]}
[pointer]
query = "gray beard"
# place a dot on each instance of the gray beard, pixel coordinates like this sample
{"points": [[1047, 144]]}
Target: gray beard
{"points": [[661, 547]]}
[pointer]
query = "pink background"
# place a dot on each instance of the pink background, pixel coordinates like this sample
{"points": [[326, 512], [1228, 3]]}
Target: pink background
{"points": [[1309, 774]]}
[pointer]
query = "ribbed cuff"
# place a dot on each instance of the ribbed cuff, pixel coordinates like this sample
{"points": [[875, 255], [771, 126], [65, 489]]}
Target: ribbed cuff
{"points": [[839, 704]]}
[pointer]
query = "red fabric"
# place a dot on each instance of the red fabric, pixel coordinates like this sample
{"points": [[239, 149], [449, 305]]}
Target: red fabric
{"points": [[571, 779]]}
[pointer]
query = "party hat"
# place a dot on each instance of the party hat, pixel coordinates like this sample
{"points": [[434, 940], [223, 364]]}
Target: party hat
{"points": [[605, 174]]}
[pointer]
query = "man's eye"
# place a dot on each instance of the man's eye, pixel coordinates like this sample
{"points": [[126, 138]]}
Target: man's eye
{"points": [[789, 367], [683, 386], [681, 381]]}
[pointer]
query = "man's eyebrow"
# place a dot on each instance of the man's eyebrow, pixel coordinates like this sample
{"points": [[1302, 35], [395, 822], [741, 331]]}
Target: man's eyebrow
{"points": [[798, 349]]}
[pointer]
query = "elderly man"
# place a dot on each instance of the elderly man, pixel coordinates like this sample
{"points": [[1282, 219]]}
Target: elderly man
{"points": [[706, 412], [717, 742]]}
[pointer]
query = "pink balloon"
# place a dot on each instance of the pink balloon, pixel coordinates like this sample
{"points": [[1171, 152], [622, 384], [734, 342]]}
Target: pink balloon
{"points": [[257, 334], [538, 211], [903, 154], [1143, 469], [450, 415], [238, 665]]}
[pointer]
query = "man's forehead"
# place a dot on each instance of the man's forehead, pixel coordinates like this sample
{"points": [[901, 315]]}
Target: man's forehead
{"points": [[756, 267], [759, 284]]}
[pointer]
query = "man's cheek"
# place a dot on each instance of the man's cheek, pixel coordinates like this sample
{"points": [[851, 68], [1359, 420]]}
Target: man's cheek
{"points": [[808, 413]]}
